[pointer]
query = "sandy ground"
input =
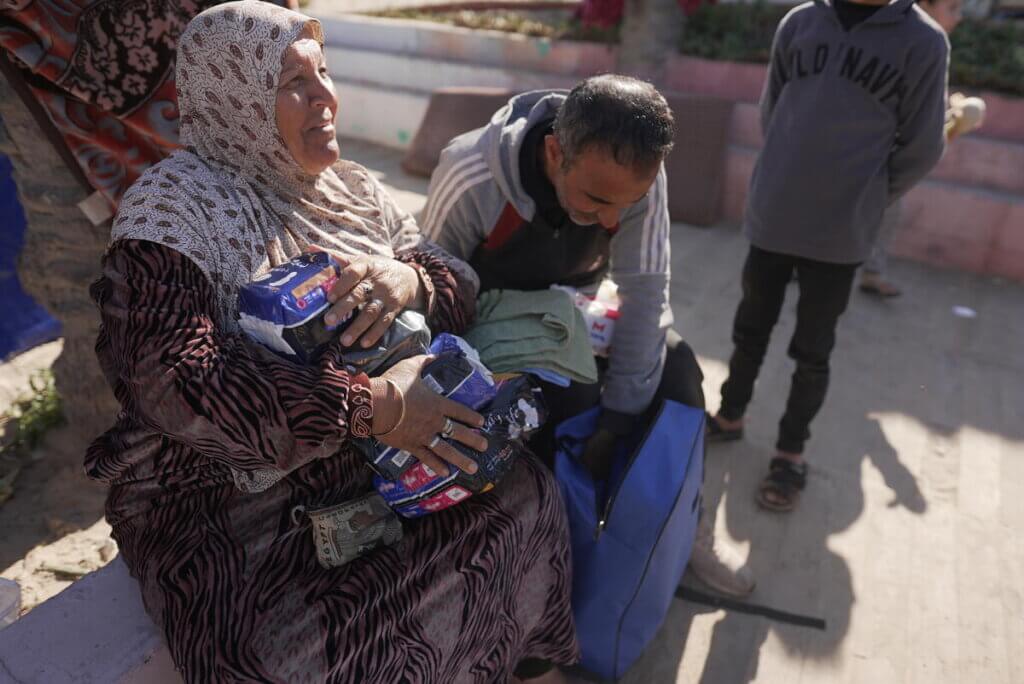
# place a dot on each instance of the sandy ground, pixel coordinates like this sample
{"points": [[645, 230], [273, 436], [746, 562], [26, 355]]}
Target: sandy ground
{"points": [[52, 529]]}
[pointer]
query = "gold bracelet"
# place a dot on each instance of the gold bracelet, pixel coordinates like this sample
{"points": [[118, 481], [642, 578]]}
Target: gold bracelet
{"points": [[401, 413]]}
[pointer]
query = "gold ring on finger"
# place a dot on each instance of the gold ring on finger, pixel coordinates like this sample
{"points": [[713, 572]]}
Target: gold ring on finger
{"points": [[449, 428], [434, 442]]}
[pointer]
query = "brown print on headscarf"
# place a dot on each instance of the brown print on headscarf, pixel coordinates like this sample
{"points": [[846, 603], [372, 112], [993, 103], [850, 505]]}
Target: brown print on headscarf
{"points": [[232, 55]]}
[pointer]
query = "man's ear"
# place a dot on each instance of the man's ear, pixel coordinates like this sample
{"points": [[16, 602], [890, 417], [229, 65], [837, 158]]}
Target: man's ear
{"points": [[553, 151]]}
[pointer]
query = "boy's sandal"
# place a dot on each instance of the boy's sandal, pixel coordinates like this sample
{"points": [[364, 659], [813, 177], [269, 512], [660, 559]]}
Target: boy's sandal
{"points": [[781, 487], [716, 433]]}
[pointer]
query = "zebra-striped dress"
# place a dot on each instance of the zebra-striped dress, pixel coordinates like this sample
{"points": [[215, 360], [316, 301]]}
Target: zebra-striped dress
{"points": [[232, 578]]}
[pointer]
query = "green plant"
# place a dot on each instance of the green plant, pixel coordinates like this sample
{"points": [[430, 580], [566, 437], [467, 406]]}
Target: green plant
{"points": [[989, 55], [737, 32], [986, 55], [24, 426], [568, 28]]}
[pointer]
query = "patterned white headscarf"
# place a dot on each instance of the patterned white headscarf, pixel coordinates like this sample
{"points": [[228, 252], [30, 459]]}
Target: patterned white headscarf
{"points": [[234, 200]]}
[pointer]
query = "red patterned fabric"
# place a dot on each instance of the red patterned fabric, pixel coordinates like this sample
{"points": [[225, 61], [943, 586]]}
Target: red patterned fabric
{"points": [[103, 70]]}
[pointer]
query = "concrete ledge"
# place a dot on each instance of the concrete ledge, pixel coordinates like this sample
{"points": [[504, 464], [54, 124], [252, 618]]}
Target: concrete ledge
{"points": [[733, 80], [1005, 116], [426, 74], [984, 162], [94, 632], [509, 51], [966, 215], [945, 224], [968, 229], [386, 116], [741, 82], [972, 160], [739, 166]]}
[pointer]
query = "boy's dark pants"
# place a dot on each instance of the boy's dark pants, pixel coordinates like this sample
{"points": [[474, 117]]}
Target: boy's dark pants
{"points": [[824, 294]]}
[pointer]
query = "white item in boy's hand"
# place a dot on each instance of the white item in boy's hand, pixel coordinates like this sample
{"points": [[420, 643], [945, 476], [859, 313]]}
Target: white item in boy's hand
{"points": [[600, 311], [967, 114], [10, 601]]}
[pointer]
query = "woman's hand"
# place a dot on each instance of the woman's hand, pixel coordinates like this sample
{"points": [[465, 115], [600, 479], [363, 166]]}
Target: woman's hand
{"points": [[384, 287], [429, 417]]}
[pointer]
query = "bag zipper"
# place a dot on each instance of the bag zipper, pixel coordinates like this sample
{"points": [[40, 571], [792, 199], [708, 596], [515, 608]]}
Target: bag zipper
{"points": [[603, 520]]}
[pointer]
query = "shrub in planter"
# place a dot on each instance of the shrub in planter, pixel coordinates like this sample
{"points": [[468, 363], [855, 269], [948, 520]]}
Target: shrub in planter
{"points": [[988, 55], [536, 25], [736, 32]]}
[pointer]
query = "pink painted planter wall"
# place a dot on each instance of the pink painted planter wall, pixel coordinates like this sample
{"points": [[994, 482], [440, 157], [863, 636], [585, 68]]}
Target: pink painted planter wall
{"points": [[1005, 117], [743, 83], [944, 224], [983, 162], [732, 80], [966, 215], [970, 230], [513, 52]]}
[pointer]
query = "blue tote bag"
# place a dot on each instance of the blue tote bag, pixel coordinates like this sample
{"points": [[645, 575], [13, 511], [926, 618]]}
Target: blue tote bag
{"points": [[631, 536]]}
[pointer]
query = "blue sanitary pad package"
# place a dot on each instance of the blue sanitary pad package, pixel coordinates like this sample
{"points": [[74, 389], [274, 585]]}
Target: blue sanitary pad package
{"points": [[457, 374], [465, 379], [514, 413], [284, 311]]}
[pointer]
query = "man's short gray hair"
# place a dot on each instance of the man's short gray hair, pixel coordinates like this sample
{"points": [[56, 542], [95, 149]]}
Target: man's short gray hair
{"points": [[627, 117]]}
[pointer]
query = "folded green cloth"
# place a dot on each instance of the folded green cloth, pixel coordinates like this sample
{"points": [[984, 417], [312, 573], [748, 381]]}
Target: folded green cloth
{"points": [[516, 330]]}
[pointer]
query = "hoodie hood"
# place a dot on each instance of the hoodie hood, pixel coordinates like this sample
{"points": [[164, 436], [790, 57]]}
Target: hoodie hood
{"points": [[503, 138], [893, 12]]}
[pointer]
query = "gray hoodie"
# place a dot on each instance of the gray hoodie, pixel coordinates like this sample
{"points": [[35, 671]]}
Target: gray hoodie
{"points": [[852, 120], [476, 183]]}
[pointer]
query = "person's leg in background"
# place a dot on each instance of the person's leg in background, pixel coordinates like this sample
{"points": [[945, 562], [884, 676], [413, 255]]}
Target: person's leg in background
{"points": [[873, 276], [765, 277], [824, 295]]}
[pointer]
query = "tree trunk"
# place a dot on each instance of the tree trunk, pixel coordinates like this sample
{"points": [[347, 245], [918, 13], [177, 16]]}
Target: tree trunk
{"points": [[651, 31], [59, 260]]}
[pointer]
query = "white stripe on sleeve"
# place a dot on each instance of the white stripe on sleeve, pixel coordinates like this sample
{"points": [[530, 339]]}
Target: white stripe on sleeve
{"points": [[457, 171], [466, 181]]}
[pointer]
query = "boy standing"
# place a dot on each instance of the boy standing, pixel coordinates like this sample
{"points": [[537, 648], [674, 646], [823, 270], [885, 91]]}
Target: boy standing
{"points": [[852, 114]]}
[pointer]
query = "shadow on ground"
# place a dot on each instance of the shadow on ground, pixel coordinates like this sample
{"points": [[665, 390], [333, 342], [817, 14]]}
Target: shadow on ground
{"points": [[52, 498], [909, 379]]}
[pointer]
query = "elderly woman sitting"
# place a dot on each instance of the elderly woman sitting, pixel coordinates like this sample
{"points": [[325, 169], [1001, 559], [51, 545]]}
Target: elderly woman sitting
{"points": [[219, 442]]}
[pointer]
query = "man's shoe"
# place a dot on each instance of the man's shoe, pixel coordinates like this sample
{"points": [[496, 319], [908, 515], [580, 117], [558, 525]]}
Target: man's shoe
{"points": [[719, 566]]}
